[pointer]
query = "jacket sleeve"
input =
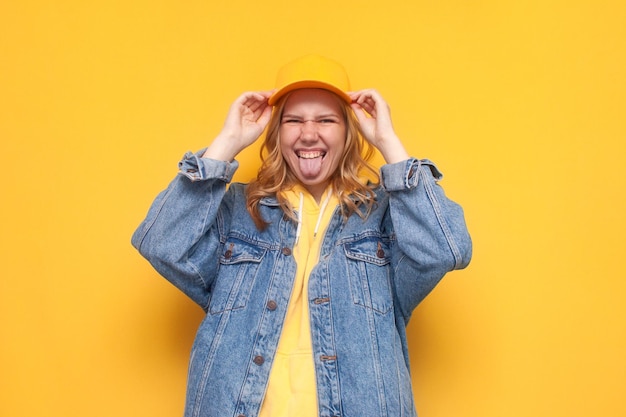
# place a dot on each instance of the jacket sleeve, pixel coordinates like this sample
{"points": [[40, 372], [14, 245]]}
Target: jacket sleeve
{"points": [[180, 235], [430, 229]]}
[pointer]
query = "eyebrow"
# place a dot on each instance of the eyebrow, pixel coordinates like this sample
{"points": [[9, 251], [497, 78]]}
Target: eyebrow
{"points": [[320, 116]]}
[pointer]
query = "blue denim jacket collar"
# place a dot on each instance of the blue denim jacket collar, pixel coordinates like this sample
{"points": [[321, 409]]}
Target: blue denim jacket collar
{"points": [[269, 201]]}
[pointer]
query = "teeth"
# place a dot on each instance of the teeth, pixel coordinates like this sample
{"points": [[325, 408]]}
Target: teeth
{"points": [[310, 155]]}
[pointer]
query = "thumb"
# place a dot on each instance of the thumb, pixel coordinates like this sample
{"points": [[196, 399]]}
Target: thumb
{"points": [[359, 112], [264, 118]]}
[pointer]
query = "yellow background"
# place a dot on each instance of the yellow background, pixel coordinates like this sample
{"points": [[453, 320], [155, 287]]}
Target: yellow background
{"points": [[522, 104]]}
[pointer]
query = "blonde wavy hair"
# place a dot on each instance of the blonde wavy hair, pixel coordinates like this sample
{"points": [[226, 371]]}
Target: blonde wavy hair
{"points": [[275, 175]]}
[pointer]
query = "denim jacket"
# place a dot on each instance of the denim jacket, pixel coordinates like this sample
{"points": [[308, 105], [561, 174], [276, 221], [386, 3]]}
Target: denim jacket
{"points": [[371, 274]]}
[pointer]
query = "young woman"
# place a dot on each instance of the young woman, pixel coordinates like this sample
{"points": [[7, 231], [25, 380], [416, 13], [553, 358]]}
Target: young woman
{"points": [[310, 273]]}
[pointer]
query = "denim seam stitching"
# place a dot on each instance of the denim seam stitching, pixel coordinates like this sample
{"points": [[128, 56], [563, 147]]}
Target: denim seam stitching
{"points": [[444, 225]]}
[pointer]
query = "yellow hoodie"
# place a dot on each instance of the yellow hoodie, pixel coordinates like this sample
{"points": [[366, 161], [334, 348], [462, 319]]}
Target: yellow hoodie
{"points": [[291, 390]]}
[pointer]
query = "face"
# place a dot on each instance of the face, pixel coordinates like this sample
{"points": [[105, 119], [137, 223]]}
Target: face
{"points": [[312, 137]]}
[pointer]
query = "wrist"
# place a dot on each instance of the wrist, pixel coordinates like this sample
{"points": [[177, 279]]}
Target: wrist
{"points": [[392, 149], [222, 148]]}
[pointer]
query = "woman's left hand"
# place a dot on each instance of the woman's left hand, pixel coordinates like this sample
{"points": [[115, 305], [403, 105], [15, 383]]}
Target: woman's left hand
{"points": [[374, 116]]}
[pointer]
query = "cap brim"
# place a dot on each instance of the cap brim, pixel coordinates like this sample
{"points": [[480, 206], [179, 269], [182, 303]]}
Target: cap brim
{"points": [[307, 84]]}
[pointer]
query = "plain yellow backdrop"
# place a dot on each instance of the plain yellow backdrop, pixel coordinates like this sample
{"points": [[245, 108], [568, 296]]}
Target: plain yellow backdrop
{"points": [[522, 105]]}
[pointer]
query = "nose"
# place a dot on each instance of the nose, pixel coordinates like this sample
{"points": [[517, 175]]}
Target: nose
{"points": [[309, 129]]}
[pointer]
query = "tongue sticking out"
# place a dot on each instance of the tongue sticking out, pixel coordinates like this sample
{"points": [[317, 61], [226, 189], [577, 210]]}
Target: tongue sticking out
{"points": [[310, 167]]}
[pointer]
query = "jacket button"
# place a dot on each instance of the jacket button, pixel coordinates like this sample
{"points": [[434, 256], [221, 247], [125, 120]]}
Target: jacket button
{"points": [[286, 251], [259, 360], [271, 305], [229, 251], [380, 252]]}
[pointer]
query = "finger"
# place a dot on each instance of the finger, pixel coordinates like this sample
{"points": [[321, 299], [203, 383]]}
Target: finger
{"points": [[359, 112], [255, 102], [264, 118], [367, 105], [255, 98], [369, 100]]}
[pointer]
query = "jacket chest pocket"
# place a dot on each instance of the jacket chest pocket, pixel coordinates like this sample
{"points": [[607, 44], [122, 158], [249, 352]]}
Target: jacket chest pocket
{"points": [[239, 264], [368, 264]]}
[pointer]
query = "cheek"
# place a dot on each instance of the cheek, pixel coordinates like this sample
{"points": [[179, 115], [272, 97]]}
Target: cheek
{"points": [[285, 138], [339, 142], [283, 142]]}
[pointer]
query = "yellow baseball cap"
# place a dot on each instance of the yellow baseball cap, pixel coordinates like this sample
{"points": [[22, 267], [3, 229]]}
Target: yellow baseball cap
{"points": [[312, 71]]}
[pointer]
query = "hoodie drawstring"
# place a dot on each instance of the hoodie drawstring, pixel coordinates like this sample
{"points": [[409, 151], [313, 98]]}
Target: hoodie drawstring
{"points": [[319, 217]]}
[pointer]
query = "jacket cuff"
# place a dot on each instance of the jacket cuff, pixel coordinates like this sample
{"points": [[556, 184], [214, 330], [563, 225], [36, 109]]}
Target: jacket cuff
{"points": [[196, 168], [405, 175]]}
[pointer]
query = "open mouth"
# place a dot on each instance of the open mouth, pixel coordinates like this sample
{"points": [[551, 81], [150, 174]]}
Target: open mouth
{"points": [[311, 162]]}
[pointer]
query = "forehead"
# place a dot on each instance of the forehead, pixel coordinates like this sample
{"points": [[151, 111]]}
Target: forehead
{"points": [[312, 100]]}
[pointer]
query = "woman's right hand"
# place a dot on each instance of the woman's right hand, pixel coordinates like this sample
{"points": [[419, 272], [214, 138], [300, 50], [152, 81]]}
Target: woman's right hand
{"points": [[247, 118]]}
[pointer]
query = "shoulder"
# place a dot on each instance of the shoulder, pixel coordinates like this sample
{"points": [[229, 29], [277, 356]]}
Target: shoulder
{"points": [[237, 188], [235, 196]]}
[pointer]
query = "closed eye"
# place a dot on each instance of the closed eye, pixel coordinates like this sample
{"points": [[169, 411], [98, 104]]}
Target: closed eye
{"points": [[291, 121]]}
